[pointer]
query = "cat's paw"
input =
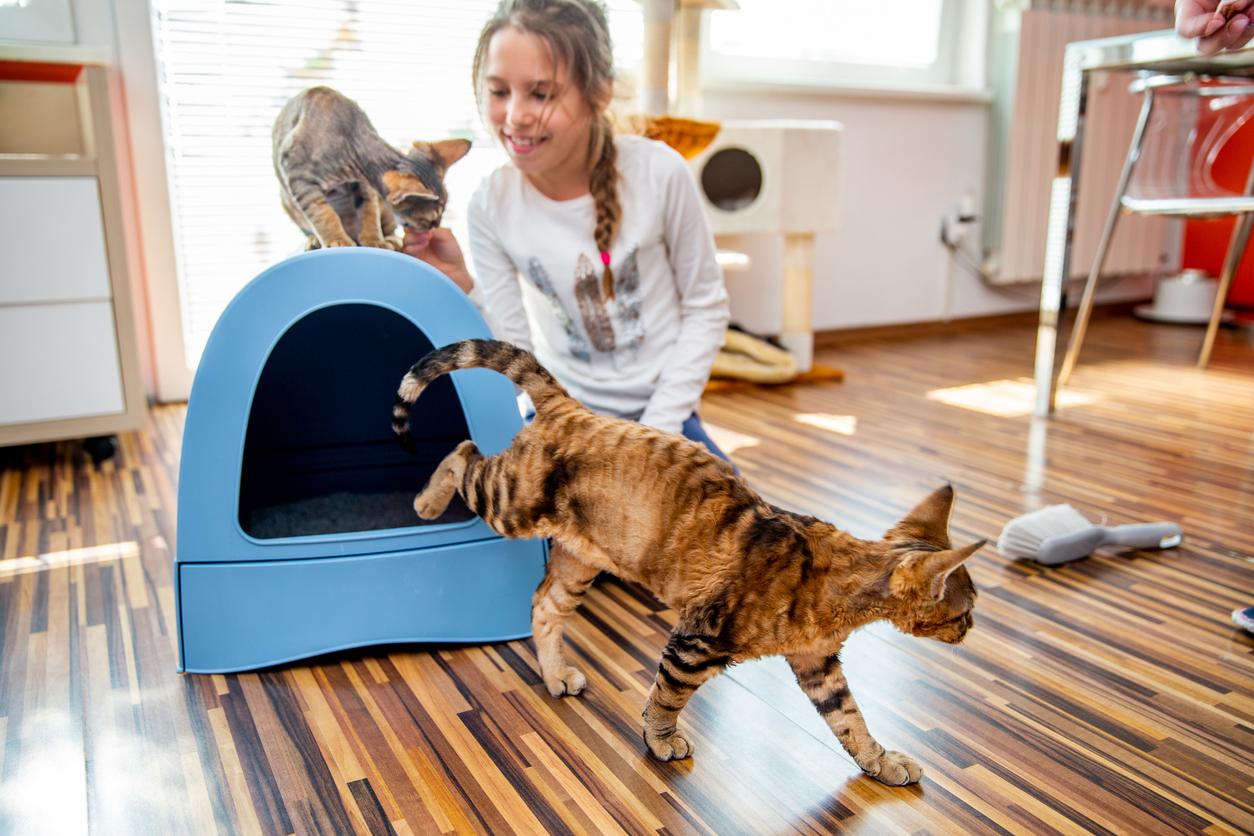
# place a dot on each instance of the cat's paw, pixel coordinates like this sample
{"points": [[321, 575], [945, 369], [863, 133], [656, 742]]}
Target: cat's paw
{"points": [[571, 682], [312, 243], [379, 243], [670, 747], [894, 769], [429, 505]]}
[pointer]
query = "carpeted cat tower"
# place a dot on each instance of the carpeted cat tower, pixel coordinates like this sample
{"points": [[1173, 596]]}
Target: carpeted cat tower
{"points": [[296, 530]]}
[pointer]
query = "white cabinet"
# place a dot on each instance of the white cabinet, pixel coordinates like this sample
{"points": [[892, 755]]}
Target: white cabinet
{"points": [[37, 21], [68, 358], [61, 361], [52, 244]]}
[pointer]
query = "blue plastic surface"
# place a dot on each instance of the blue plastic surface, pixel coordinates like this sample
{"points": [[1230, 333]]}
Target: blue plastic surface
{"points": [[365, 299]]}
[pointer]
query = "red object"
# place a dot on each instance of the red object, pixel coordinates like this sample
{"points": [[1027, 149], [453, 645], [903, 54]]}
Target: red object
{"points": [[1206, 242], [605, 258], [36, 71]]}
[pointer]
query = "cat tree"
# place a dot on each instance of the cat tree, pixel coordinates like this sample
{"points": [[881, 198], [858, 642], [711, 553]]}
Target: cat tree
{"points": [[768, 186]]}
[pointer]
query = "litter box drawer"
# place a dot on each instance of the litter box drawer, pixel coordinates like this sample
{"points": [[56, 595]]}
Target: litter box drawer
{"points": [[239, 616]]}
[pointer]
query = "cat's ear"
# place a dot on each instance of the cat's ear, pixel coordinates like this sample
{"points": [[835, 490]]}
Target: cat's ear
{"points": [[402, 185], [928, 570], [927, 522], [446, 151]]}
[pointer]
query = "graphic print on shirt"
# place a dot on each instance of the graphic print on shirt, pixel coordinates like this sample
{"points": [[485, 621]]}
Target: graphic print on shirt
{"points": [[596, 321], [540, 278], [628, 301]]}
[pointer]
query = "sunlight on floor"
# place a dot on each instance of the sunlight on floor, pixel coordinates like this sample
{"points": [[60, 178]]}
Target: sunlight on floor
{"points": [[50, 785], [729, 441], [68, 557], [842, 424], [1006, 398], [128, 784]]}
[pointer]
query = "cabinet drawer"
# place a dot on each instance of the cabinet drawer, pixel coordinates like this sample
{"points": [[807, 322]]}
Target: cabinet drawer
{"points": [[52, 244], [58, 361]]}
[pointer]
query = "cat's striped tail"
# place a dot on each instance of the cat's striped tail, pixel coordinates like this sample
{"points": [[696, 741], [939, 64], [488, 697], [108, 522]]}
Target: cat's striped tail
{"points": [[518, 365]]}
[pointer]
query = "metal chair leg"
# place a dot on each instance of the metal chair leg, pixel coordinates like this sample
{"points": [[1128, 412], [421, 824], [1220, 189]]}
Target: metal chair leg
{"points": [[1085, 310], [1108, 231], [1236, 249]]}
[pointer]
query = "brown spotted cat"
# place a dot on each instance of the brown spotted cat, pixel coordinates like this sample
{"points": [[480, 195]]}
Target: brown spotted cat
{"points": [[747, 579], [343, 185]]}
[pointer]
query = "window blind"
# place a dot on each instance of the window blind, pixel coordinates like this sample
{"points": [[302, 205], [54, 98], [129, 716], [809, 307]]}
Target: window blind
{"points": [[226, 67]]}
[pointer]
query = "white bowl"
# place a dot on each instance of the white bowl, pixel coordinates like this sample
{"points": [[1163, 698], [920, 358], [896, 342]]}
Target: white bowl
{"points": [[1187, 298]]}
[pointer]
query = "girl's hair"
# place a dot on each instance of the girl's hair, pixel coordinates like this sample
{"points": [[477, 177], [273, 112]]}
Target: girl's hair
{"points": [[578, 37]]}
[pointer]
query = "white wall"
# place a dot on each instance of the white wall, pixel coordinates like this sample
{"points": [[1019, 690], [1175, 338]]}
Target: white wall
{"points": [[905, 163]]}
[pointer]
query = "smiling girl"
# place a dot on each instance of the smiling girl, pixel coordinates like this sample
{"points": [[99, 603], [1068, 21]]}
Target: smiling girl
{"points": [[590, 250]]}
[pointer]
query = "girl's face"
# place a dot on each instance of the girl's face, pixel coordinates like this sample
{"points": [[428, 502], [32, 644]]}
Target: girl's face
{"points": [[540, 118]]}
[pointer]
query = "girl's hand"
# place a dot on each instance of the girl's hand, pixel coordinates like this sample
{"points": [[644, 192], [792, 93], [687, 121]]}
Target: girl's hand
{"points": [[440, 249], [1217, 24]]}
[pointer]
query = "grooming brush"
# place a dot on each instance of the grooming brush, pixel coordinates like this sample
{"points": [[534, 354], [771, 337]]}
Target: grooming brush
{"points": [[1059, 534]]}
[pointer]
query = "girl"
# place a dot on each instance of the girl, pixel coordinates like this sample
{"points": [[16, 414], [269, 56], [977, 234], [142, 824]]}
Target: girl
{"points": [[590, 250]]}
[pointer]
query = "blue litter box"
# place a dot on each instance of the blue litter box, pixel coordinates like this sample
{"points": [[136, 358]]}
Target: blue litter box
{"points": [[296, 530]]}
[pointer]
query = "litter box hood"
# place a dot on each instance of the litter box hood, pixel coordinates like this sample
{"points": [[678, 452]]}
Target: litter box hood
{"points": [[291, 407]]}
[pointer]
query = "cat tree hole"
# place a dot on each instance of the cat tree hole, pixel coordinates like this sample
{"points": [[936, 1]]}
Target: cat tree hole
{"points": [[319, 453], [731, 179]]}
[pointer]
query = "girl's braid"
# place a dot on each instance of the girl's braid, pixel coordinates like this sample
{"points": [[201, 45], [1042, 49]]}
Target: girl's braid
{"points": [[603, 185]]}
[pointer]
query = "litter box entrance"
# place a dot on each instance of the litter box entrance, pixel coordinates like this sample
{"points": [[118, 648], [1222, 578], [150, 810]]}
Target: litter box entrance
{"points": [[319, 455]]}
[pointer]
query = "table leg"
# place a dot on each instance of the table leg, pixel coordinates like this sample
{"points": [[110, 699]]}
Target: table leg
{"points": [[1062, 202]]}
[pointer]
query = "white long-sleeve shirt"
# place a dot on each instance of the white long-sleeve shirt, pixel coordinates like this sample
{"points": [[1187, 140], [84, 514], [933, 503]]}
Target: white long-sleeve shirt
{"points": [[646, 352]]}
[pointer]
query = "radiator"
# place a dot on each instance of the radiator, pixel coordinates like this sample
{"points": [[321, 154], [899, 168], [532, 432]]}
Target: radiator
{"points": [[1024, 148]]}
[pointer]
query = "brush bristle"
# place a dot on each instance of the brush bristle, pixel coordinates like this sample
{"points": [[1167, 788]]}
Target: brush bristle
{"points": [[1022, 536]]}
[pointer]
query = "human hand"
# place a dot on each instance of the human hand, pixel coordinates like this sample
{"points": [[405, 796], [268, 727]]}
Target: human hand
{"points": [[1217, 24], [440, 249]]}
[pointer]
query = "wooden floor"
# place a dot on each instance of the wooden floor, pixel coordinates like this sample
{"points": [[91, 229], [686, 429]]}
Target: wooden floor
{"points": [[1112, 694]]}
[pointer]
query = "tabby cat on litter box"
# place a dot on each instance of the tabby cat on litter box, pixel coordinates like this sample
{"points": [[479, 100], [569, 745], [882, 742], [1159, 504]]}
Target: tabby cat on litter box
{"points": [[343, 185], [746, 578]]}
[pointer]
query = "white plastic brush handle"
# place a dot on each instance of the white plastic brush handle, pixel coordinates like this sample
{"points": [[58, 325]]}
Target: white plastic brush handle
{"points": [[1144, 536]]}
